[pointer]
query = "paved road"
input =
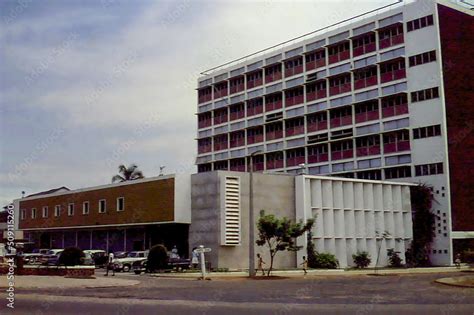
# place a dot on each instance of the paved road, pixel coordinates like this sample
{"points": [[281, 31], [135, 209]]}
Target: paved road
{"points": [[407, 294]]}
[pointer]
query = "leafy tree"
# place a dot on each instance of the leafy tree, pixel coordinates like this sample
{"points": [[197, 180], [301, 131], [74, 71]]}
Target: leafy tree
{"points": [[279, 234], [127, 173], [71, 256], [423, 225], [361, 259], [157, 258]]}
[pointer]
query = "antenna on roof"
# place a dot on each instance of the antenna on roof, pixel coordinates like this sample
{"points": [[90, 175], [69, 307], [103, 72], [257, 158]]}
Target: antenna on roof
{"points": [[162, 167]]}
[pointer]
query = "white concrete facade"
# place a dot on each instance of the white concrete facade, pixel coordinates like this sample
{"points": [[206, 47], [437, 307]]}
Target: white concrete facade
{"points": [[429, 112], [353, 216]]}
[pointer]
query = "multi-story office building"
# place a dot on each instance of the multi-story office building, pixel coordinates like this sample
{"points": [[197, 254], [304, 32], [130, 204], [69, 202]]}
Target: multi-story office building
{"points": [[387, 95]]}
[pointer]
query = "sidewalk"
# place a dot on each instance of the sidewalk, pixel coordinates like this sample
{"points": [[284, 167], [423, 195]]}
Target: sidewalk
{"points": [[313, 272], [45, 282]]}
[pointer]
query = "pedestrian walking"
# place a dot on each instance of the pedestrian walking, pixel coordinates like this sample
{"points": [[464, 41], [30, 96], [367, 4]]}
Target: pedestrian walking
{"points": [[110, 265], [305, 264], [457, 261], [260, 264], [195, 258]]}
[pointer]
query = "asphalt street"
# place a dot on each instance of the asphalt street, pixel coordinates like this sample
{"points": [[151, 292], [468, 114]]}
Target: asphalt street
{"points": [[362, 294]]}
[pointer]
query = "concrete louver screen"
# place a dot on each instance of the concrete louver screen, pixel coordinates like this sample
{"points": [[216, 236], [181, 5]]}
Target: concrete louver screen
{"points": [[232, 211]]}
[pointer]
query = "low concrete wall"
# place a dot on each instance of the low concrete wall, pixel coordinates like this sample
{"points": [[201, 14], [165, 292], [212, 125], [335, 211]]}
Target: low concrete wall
{"points": [[73, 271]]}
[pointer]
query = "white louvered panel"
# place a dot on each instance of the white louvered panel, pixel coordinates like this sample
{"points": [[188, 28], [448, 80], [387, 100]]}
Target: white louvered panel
{"points": [[232, 211]]}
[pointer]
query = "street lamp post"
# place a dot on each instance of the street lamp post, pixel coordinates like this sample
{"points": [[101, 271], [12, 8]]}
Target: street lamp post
{"points": [[251, 219]]}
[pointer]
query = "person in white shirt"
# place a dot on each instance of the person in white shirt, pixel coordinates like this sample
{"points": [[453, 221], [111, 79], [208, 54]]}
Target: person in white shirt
{"points": [[110, 265]]}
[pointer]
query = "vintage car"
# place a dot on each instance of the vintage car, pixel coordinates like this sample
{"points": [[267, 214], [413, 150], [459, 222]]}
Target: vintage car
{"points": [[125, 264], [51, 257], [35, 256], [175, 263]]}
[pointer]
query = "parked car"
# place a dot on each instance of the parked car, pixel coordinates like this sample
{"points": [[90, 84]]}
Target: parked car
{"points": [[51, 257], [175, 263], [97, 257], [120, 254], [35, 256], [125, 264]]}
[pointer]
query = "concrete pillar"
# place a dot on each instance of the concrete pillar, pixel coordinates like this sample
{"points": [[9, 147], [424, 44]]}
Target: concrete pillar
{"points": [[90, 241], [63, 240], [77, 243], [107, 242], [124, 240]]}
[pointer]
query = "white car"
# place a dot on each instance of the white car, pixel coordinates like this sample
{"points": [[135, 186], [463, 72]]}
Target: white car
{"points": [[125, 264]]}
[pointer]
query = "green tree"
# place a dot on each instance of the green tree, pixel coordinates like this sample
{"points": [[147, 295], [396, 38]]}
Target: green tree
{"points": [[423, 225], [71, 256], [157, 258], [279, 234], [127, 173]]}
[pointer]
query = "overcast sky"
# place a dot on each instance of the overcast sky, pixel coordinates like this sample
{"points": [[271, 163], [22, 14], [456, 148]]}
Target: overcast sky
{"points": [[88, 85]]}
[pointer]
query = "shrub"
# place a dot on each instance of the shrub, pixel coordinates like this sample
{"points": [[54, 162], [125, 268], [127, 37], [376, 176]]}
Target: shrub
{"points": [[71, 256], [326, 261], [394, 258], [157, 258], [319, 260], [361, 259]]}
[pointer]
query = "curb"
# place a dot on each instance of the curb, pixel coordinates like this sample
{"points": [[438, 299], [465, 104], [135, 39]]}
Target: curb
{"points": [[456, 282]]}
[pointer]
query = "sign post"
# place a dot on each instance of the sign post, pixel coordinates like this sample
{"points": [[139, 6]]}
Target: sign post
{"points": [[201, 250]]}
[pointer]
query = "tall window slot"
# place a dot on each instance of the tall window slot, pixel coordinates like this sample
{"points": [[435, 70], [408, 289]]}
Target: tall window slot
{"points": [[120, 204]]}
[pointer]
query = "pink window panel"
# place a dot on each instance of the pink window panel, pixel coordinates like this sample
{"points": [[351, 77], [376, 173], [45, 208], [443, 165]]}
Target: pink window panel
{"points": [[237, 88], [254, 110], [274, 135], [205, 98], [274, 164], [204, 148], [237, 143], [389, 148], [258, 166], [254, 139], [311, 96], [237, 168], [273, 105], [401, 109], [363, 49], [318, 126], [336, 155], [220, 146], [403, 146], [399, 74], [372, 115], [254, 83], [362, 83], [388, 111], [295, 161], [220, 119], [294, 131], [272, 77], [397, 39], [347, 154], [318, 158], [205, 123], [237, 115]]}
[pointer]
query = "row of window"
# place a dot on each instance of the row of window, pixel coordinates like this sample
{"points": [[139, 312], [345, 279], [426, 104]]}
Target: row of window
{"points": [[425, 94], [426, 132], [420, 59], [102, 208], [429, 169], [419, 23]]}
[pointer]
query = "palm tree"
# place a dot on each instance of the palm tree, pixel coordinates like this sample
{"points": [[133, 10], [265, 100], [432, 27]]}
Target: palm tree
{"points": [[127, 173]]}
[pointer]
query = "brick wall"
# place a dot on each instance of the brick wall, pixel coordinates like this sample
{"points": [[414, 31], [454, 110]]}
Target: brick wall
{"points": [[149, 201], [457, 47]]}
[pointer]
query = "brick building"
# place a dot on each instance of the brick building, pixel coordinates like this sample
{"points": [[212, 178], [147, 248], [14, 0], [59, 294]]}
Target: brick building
{"points": [[126, 216]]}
